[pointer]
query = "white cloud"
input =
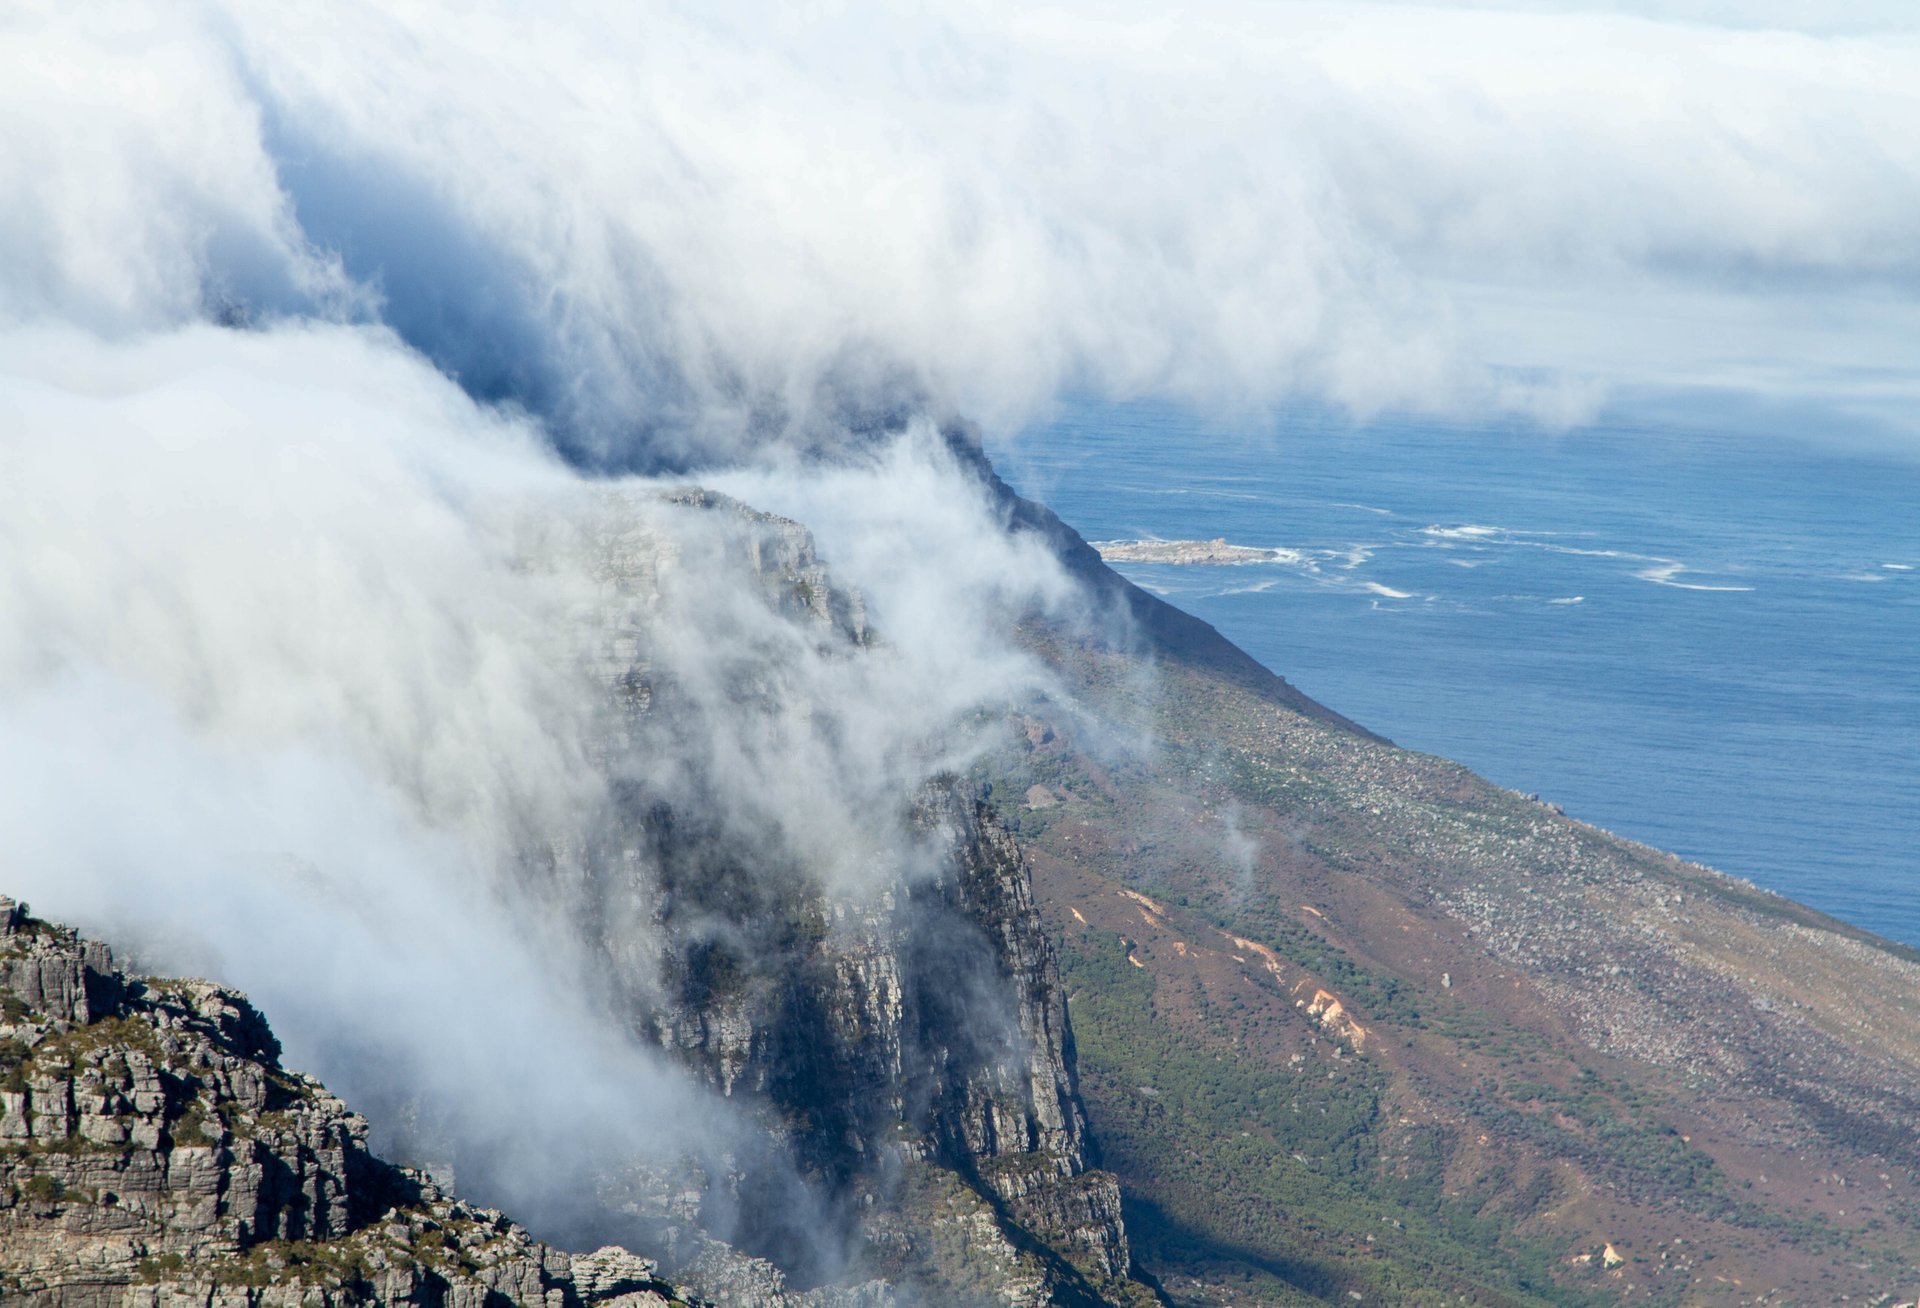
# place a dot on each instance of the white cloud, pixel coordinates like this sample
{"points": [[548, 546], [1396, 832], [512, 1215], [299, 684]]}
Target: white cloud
{"points": [[136, 188], [675, 227], [280, 701]]}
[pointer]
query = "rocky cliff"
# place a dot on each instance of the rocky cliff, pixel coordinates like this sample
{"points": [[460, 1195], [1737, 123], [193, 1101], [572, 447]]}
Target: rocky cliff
{"points": [[154, 1152], [882, 1007], [904, 1033]]}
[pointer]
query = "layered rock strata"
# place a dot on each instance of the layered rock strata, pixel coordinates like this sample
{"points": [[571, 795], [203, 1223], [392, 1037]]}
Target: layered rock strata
{"points": [[155, 1154]]}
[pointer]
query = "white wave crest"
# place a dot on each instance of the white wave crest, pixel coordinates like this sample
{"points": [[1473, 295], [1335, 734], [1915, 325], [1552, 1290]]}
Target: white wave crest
{"points": [[1665, 571], [1467, 531]]}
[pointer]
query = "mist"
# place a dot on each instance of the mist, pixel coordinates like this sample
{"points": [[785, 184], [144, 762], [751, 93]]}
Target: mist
{"points": [[311, 683]]}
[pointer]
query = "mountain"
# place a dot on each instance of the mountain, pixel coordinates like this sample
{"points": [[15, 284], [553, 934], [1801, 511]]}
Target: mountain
{"points": [[1356, 1024], [157, 1152], [902, 1042], [887, 1063], [1194, 991]]}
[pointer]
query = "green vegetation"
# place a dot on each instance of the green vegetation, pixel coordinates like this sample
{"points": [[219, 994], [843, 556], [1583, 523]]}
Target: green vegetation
{"points": [[15, 1057], [1537, 1016], [1273, 1174], [274, 1262], [191, 1127], [1382, 997], [94, 1045], [44, 1188]]}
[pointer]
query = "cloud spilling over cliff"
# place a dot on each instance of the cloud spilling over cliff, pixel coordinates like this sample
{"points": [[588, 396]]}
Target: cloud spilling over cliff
{"points": [[303, 686], [313, 323], [280, 707]]}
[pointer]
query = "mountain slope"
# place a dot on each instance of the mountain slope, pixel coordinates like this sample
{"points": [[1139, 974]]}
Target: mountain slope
{"points": [[1354, 1021], [904, 1042]]}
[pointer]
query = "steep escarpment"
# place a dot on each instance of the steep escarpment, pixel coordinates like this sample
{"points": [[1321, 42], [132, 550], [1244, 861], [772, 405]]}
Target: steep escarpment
{"points": [[905, 1017], [915, 1056], [1004, 1108], [153, 1151]]}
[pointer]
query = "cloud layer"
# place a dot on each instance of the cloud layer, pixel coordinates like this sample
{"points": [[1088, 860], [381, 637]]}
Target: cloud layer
{"points": [[679, 234]]}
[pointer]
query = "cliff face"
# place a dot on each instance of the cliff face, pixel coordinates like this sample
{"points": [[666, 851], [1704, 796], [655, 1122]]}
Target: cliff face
{"points": [[154, 1152], [881, 1005], [912, 1021], [918, 1059], [1009, 1112]]}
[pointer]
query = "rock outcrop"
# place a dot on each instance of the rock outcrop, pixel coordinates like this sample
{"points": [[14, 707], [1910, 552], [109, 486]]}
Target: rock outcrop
{"points": [[907, 1017], [1188, 552], [154, 1153]]}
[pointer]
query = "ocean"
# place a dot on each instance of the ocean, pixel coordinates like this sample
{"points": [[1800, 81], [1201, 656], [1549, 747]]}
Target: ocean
{"points": [[1707, 640]]}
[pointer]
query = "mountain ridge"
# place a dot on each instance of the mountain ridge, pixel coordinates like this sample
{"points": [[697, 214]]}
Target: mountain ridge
{"points": [[1593, 1072], [1147, 623]]}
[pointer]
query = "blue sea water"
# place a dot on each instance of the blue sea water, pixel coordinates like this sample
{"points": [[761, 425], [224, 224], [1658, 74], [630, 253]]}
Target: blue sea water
{"points": [[1708, 640]]}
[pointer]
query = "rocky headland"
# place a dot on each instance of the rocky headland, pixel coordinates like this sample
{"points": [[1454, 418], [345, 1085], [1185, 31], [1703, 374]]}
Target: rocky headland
{"points": [[1215, 551]]}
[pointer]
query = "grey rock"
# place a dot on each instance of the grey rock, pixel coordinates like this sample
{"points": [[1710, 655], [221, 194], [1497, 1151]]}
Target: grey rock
{"points": [[160, 1156], [923, 1022]]}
